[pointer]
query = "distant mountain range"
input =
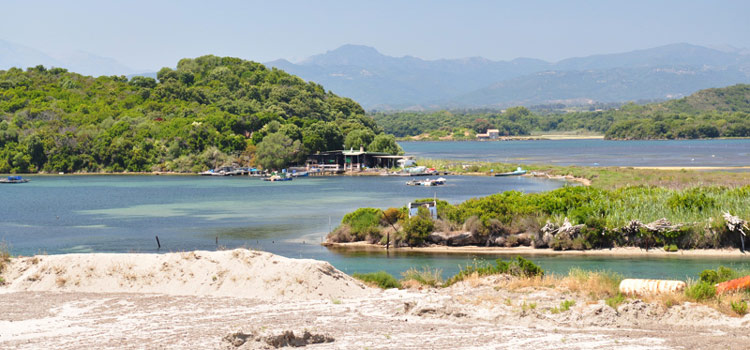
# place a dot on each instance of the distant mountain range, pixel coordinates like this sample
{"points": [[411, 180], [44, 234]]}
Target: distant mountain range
{"points": [[383, 82], [14, 55]]}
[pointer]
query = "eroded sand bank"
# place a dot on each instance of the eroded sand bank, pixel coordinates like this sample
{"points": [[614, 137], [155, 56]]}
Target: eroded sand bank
{"points": [[480, 313]]}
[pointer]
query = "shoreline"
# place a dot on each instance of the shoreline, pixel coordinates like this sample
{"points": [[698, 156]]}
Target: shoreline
{"points": [[613, 252]]}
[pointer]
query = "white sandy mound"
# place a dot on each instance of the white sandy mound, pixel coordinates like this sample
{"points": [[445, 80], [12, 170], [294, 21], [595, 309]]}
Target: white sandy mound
{"points": [[237, 273]]}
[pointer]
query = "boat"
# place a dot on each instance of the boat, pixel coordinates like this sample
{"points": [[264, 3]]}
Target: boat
{"points": [[14, 179], [427, 182], [300, 174], [224, 171], [274, 178], [518, 172]]}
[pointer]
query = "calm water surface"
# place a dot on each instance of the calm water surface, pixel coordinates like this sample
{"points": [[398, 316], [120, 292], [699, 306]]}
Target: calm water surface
{"points": [[66, 214], [735, 152]]}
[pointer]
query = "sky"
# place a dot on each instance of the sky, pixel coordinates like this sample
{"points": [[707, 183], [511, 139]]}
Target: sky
{"points": [[149, 34]]}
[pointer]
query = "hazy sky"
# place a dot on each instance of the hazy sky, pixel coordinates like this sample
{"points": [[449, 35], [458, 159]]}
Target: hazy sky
{"points": [[152, 34]]}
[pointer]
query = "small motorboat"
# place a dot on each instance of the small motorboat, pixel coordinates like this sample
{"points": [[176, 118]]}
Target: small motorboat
{"points": [[518, 172], [427, 182], [300, 174], [14, 179], [274, 178]]}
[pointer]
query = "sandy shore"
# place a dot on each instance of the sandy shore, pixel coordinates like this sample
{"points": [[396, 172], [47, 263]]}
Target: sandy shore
{"points": [[146, 309], [615, 252]]}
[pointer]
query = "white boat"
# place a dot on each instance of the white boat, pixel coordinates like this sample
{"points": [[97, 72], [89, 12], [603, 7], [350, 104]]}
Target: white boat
{"points": [[427, 182]]}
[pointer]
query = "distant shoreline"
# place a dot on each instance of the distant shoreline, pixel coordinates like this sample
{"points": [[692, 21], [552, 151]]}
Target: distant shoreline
{"points": [[550, 137], [613, 252]]}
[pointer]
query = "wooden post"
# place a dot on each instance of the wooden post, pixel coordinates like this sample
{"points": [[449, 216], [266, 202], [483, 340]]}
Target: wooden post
{"points": [[158, 244]]}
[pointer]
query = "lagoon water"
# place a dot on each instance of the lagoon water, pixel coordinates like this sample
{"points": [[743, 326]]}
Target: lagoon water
{"points": [[687, 153], [69, 214]]}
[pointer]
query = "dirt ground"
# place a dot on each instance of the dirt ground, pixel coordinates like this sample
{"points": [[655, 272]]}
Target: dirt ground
{"points": [[478, 315]]}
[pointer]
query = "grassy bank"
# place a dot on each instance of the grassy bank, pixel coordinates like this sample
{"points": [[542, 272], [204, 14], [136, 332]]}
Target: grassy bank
{"points": [[578, 218]]}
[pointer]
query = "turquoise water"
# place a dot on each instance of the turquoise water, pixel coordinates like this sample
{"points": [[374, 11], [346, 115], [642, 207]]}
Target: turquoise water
{"points": [[68, 214], [734, 152]]}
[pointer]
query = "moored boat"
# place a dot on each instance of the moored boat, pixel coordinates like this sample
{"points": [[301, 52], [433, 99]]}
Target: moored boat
{"points": [[14, 179], [427, 182], [518, 172], [274, 178]]}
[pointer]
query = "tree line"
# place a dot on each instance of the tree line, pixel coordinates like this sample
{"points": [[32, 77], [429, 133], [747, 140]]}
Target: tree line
{"points": [[710, 113]]}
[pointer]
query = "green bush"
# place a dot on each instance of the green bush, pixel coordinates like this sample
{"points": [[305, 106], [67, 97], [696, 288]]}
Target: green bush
{"points": [[519, 267], [381, 278], [416, 229], [615, 301], [739, 307], [670, 248], [692, 199], [701, 291], [721, 274], [364, 222]]}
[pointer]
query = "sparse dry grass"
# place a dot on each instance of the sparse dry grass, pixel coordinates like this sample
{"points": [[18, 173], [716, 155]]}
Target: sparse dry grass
{"points": [[594, 284], [426, 276], [61, 281]]}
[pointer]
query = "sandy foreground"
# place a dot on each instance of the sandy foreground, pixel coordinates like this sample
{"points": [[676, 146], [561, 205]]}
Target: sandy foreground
{"points": [[243, 299]]}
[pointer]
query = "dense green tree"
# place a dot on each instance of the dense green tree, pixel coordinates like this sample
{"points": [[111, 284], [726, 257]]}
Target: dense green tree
{"points": [[385, 143], [277, 150], [359, 138]]}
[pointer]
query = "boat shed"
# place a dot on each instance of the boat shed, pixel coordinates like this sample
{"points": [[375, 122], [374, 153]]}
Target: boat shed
{"points": [[430, 205], [353, 160]]}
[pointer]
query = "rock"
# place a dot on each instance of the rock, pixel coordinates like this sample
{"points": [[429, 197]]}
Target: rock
{"points": [[438, 237], [269, 341], [463, 238], [237, 339], [499, 241], [524, 239]]}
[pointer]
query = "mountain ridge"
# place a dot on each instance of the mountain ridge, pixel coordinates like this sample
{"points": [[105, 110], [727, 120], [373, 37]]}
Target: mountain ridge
{"points": [[379, 81]]}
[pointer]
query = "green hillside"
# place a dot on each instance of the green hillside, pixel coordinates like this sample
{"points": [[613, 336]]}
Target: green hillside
{"points": [[207, 112], [723, 112]]}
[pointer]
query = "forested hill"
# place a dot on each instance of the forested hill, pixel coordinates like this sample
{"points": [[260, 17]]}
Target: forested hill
{"points": [[207, 112], [722, 112]]}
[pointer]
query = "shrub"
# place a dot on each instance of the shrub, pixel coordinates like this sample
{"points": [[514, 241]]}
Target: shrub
{"points": [[692, 199], [519, 267], [525, 268], [670, 248], [721, 274], [701, 291], [381, 279], [416, 229], [615, 301], [391, 216], [739, 307], [364, 223], [564, 306]]}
